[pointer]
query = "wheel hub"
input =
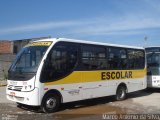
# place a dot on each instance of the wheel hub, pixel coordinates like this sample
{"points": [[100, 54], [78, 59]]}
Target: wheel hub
{"points": [[121, 93], [51, 103]]}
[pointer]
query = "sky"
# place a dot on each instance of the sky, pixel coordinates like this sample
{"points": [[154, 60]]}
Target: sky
{"points": [[126, 22]]}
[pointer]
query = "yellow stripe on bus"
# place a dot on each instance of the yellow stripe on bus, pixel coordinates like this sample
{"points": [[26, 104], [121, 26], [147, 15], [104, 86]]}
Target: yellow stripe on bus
{"points": [[99, 75]]}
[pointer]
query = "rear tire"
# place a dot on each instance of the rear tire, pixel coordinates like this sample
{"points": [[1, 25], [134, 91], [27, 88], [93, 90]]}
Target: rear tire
{"points": [[50, 103], [121, 93]]}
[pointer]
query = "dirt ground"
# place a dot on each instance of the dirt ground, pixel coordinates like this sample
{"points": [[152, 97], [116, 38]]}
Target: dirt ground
{"points": [[146, 102]]}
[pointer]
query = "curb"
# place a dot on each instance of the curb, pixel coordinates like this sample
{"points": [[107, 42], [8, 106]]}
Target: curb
{"points": [[3, 83]]}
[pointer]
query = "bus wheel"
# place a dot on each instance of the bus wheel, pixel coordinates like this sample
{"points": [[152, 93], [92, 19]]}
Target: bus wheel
{"points": [[121, 93], [50, 103]]}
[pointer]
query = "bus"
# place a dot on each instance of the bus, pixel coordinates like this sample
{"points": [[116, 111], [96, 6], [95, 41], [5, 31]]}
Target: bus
{"points": [[53, 71], [153, 67]]}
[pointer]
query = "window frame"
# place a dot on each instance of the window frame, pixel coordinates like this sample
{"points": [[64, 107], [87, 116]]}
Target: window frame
{"points": [[144, 57], [81, 67], [118, 48], [49, 55]]}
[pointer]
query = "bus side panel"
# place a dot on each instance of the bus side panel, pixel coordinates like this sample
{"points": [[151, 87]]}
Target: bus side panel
{"points": [[69, 92], [135, 85], [70, 87], [88, 84]]}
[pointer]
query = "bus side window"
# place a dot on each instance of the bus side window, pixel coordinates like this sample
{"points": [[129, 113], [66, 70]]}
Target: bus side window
{"points": [[60, 62], [93, 58], [123, 59], [117, 58], [136, 59]]}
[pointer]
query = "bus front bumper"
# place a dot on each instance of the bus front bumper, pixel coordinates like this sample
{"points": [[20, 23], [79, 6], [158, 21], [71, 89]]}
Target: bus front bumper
{"points": [[27, 98]]}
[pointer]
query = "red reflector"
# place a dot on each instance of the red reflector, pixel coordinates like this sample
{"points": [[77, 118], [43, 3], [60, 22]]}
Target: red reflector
{"points": [[45, 88], [12, 94]]}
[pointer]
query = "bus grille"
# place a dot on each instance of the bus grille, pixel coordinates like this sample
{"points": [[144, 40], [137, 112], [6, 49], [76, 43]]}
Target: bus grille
{"points": [[15, 88]]}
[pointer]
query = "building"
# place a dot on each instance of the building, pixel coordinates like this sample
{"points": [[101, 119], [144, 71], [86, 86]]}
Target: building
{"points": [[6, 47], [14, 46]]}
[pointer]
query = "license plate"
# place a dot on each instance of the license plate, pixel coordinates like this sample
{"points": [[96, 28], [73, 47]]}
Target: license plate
{"points": [[12, 94]]}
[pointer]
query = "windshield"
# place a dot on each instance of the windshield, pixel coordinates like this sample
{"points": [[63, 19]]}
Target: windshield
{"points": [[153, 63], [27, 62], [153, 59]]}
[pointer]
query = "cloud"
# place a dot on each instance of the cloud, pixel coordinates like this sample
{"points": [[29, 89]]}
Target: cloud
{"points": [[40, 26], [126, 25], [102, 25]]}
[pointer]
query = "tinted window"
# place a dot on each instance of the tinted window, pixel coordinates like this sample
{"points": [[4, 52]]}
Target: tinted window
{"points": [[153, 60], [60, 61], [136, 59], [93, 58], [117, 58]]}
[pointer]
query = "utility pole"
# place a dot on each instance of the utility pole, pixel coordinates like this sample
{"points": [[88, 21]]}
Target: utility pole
{"points": [[145, 41]]}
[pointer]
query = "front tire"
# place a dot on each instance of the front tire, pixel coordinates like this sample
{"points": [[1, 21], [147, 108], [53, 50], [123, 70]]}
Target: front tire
{"points": [[121, 93], [20, 105], [50, 103]]}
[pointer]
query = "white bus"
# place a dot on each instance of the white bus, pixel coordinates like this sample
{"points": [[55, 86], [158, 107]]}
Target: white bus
{"points": [[153, 67], [49, 72]]}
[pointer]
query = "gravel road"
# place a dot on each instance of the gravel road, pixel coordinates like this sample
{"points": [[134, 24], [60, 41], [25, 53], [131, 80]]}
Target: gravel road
{"points": [[143, 102]]}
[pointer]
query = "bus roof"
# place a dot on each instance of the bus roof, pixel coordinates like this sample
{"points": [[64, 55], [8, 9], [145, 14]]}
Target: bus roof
{"points": [[153, 47], [87, 42]]}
